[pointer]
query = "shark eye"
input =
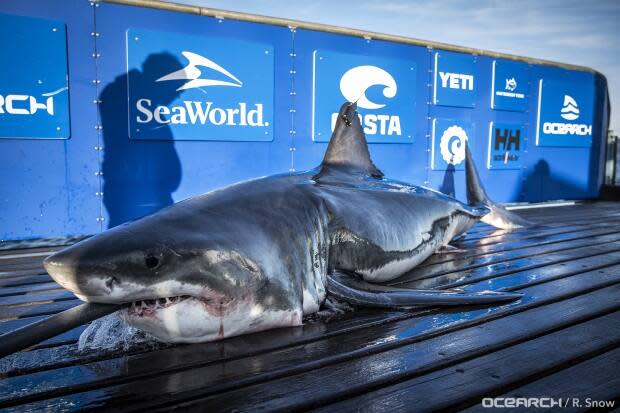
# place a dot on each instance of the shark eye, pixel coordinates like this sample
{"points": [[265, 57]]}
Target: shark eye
{"points": [[151, 262]]}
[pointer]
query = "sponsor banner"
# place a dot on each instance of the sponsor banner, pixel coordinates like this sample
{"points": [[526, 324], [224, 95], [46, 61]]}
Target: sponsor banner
{"points": [[449, 139], [455, 80], [565, 113], [506, 146], [510, 86], [186, 87], [383, 88], [34, 86]]}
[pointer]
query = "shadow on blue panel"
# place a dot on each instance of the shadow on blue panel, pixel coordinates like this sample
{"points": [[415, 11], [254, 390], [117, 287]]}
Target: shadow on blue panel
{"points": [[447, 186], [541, 185], [139, 175]]}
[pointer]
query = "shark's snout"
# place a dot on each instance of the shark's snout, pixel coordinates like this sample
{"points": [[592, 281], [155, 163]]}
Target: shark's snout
{"points": [[62, 268], [67, 269]]}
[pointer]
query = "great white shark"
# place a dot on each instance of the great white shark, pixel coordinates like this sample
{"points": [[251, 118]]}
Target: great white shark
{"points": [[263, 253]]}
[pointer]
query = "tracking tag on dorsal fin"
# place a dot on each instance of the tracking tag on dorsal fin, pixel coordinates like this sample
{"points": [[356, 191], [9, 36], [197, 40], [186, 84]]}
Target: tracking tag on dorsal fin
{"points": [[347, 146]]}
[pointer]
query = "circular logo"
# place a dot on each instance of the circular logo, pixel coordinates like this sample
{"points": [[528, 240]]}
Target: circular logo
{"points": [[452, 145], [356, 81]]}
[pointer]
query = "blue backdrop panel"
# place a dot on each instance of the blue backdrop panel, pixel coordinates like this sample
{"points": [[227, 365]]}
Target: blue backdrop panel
{"points": [[200, 100], [404, 161], [384, 90], [565, 112], [212, 102], [466, 108], [506, 146], [142, 176], [561, 172], [455, 80], [511, 83], [49, 188], [450, 137], [34, 97]]}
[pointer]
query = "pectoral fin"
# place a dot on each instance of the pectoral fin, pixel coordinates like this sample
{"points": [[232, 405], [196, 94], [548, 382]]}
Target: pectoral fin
{"points": [[355, 291]]}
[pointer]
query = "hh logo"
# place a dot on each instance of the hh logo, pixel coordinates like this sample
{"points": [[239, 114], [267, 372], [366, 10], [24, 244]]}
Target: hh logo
{"points": [[507, 139], [382, 88], [505, 146]]}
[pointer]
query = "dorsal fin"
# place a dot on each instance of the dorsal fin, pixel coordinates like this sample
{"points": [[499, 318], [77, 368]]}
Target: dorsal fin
{"points": [[348, 146]]}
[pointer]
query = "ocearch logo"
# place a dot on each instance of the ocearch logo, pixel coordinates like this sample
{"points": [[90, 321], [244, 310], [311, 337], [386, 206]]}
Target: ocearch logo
{"points": [[198, 112], [17, 104], [354, 84], [570, 109]]}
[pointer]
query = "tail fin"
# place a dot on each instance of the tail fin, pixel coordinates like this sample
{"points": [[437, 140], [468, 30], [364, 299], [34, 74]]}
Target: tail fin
{"points": [[499, 216]]}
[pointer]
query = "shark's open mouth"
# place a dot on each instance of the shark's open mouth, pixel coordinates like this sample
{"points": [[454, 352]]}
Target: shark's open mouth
{"points": [[149, 307]]}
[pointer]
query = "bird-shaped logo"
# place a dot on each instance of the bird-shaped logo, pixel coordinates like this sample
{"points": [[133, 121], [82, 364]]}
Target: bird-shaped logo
{"points": [[192, 73]]}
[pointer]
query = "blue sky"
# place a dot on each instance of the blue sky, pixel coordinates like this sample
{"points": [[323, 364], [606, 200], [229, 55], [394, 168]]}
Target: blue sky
{"points": [[572, 31]]}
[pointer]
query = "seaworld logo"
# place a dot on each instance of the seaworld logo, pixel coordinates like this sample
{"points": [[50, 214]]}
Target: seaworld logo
{"points": [[199, 112], [569, 111], [192, 73], [355, 83]]}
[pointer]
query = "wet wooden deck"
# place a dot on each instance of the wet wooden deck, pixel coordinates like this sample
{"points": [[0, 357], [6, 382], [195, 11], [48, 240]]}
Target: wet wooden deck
{"points": [[561, 340]]}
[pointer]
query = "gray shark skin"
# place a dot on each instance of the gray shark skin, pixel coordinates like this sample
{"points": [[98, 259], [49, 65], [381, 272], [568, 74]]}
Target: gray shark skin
{"points": [[263, 253]]}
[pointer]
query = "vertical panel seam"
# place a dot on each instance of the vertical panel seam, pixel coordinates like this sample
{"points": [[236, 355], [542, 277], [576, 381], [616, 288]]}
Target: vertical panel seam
{"points": [[98, 127], [429, 94], [292, 96]]}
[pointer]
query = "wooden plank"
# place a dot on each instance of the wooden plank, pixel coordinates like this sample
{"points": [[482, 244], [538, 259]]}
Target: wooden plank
{"points": [[36, 297], [28, 289], [37, 309], [47, 250], [596, 379], [373, 344], [4, 275], [41, 277], [530, 234], [554, 239], [509, 261], [463, 384]]}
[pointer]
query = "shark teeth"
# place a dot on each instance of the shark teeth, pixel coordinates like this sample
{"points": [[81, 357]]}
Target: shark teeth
{"points": [[143, 307]]}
